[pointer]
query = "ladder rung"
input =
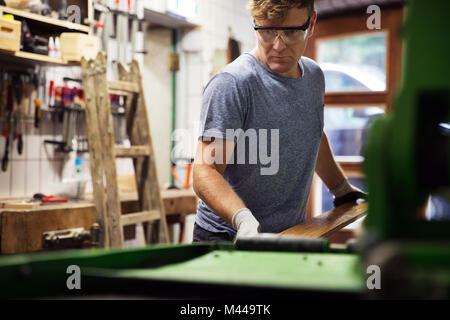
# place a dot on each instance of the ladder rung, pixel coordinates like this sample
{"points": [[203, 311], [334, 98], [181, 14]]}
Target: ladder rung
{"points": [[138, 217], [124, 86], [132, 152], [118, 92]]}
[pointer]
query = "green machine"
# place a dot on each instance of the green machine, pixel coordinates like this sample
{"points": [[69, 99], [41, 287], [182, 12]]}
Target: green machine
{"points": [[407, 160]]}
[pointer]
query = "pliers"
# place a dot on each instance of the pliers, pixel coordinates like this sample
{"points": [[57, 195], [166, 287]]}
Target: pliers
{"points": [[49, 199]]}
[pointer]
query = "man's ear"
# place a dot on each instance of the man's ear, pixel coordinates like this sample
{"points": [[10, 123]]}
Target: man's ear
{"points": [[312, 24]]}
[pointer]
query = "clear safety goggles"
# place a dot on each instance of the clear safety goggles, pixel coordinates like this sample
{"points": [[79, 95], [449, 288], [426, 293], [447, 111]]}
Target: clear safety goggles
{"points": [[290, 35]]}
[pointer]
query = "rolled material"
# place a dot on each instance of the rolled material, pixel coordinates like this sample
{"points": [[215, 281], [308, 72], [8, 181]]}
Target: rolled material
{"points": [[274, 242]]}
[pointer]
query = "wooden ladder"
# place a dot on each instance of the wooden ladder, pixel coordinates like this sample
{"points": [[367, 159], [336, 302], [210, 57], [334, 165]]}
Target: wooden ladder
{"points": [[103, 153]]}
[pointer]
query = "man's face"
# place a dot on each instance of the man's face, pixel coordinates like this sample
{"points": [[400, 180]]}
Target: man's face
{"points": [[279, 57]]}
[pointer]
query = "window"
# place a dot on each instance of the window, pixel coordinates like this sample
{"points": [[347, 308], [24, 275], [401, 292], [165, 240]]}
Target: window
{"points": [[362, 69], [347, 128], [354, 63]]}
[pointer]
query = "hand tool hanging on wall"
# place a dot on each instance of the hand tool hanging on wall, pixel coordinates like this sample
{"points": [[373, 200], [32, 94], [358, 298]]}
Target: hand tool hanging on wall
{"points": [[18, 88], [5, 159], [80, 129], [66, 141], [43, 80], [29, 94], [103, 24], [6, 131], [51, 94], [3, 92], [69, 101], [37, 101]]}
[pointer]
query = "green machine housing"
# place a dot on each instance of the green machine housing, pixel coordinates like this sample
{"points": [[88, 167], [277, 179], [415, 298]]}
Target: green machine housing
{"points": [[407, 160]]}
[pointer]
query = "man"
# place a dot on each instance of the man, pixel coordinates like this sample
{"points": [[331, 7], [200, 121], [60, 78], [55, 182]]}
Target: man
{"points": [[271, 89]]}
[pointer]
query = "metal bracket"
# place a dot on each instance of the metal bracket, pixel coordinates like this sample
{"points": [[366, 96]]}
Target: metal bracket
{"points": [[75, 238]]}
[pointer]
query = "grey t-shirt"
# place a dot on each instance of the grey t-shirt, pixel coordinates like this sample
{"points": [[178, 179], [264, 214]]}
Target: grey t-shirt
{"points": [[246, 95]]}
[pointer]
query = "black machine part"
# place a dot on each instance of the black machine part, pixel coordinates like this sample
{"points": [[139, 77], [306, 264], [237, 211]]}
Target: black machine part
{"points": [[33, 43], [433, 140], [274, 242]]}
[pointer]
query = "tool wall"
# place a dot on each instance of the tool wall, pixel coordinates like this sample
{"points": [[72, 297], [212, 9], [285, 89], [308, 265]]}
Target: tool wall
{"points": [[43, 144]]}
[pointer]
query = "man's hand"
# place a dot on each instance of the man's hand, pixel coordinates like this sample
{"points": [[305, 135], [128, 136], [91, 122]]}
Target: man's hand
{"points": [[345, 192], [245, 223]]}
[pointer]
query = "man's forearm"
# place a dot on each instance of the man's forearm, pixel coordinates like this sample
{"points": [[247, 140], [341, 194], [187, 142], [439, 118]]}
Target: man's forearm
{"points": [[212, 188], [326, 167]]}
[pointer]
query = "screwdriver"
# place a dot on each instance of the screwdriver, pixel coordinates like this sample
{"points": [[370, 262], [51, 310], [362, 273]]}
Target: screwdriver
{"points": [[5, 159], [7, 127], [37, 113], [37, 102]]}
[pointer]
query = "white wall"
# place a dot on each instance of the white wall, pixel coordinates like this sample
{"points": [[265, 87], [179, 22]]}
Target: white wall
{"points": [[197, 49], [157, 83]]}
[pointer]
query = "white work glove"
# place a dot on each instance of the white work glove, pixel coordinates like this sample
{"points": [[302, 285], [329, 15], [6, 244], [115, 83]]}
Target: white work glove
{"points": [[345, 192], [245, 223]]}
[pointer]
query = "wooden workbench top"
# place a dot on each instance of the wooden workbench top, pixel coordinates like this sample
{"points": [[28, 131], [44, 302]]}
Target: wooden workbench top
{"points": [[171, 199]]}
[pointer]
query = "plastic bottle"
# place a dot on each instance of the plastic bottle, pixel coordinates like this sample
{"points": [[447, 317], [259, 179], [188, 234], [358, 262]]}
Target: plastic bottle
{"points": [[51, 47], [79, 176]]}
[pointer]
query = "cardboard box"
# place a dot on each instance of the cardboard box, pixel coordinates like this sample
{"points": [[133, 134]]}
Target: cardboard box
{"points": [[76, 45], [10, 32]]}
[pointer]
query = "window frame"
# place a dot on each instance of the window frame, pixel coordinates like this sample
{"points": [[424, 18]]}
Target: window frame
{"points": [[350, 25]]}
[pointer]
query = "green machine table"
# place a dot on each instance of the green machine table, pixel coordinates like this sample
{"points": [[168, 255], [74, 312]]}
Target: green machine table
{"points": [[185, 271]]}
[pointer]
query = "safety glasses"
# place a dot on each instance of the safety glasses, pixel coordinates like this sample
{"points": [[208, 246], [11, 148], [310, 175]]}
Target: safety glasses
{"points": [[290, 35]]}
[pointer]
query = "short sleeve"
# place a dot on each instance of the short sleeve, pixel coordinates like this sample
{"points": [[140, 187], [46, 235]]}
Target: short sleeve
{"points": [[223, 107]]}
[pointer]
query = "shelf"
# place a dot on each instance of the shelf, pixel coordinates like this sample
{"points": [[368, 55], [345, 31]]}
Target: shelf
{"points": [[69, 26], [167, 20], [31, 59]]}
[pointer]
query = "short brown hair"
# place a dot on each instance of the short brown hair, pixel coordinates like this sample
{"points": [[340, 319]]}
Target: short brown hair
{"points": [[276, 10]]}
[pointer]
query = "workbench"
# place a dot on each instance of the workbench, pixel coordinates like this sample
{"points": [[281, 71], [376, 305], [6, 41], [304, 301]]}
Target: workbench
{"points": [[21, 229]]}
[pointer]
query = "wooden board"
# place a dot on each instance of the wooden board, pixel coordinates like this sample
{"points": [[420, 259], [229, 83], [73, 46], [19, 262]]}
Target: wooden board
{"points": [[328, 222], [19, 204]]}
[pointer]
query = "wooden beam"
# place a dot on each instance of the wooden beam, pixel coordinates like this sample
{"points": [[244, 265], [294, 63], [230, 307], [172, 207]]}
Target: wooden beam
{"points": [[355, 98], [134, 218], [124, 86], [132, 152]]}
